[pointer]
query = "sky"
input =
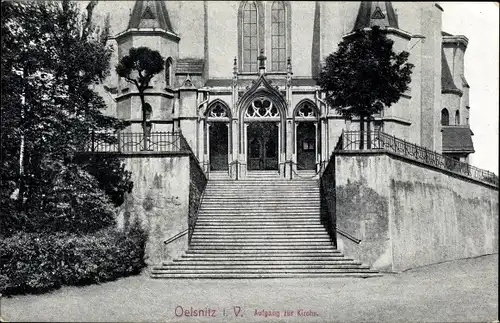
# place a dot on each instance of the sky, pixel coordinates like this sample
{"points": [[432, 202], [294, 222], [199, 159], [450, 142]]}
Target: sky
{"points": [[478, 21]]}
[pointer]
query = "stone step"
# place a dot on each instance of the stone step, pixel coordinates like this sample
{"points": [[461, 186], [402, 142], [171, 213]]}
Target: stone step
{"points": [[271, 243], [268, 241], [257, 222], [260, 256], [264, 247], [242, 205], [260, 251], [252, 203], [274, 181], [264, 266], [256, 231], [238, 225], [258, 260], [264, 270], [255, 217], [263, 235], [237, 275], [313, 212]]}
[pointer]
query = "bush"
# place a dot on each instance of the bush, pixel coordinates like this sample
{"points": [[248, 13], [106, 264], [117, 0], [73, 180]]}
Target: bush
{"points": [[38, 262]]}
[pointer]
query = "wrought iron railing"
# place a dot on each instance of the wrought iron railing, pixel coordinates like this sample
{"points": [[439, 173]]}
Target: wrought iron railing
{"points": [[357, 140], [127, 142]]}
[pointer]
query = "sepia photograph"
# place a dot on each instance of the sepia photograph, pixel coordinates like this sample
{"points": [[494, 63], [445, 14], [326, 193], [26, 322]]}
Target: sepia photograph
{"points": [[249, 161]]}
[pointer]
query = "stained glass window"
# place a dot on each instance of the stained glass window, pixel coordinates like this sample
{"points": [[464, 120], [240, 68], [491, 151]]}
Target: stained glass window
{"points": [[250, 37], [278, 45]]}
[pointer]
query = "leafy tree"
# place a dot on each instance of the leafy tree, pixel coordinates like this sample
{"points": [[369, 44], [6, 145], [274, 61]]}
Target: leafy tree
{"points": [[52, 55], [138, 68], [364, 75]]}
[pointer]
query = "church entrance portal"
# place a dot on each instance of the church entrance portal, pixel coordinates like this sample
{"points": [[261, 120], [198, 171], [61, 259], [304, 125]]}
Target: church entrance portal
{"points": [[306, 146], [262, 143], [218, 142]]}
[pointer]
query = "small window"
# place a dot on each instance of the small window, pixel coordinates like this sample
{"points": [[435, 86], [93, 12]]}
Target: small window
{"points": [[168, 71], [308, 145], [457, 117], [445, 117]]}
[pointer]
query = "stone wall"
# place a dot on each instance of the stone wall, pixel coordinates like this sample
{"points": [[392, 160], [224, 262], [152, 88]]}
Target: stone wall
{"points": [[160, 201], [407, 214]]}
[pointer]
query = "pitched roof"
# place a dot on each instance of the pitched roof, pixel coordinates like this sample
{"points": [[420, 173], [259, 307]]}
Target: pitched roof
{"points": [[375, 13], [457, 139], [447, 83], [190, 66], [150, 14]]}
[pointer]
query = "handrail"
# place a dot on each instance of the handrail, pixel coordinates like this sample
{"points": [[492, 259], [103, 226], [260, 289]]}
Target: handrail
{"points": [[177, 236], [130, 142], [348, 236], [378, 140]]}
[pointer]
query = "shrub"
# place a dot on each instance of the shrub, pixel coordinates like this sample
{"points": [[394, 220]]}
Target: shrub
{"points": [[38, 262]]}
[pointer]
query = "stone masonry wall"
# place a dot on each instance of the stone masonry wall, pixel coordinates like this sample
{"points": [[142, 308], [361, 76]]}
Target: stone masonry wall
{"points": [[160, 202], [409, 215]]}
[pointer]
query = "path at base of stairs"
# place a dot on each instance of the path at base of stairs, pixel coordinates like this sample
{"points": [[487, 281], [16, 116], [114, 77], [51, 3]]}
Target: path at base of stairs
{"points": [[459, 291]]}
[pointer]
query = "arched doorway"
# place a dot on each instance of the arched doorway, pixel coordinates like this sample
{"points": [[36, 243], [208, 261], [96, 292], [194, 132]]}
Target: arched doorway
{"points": [[262, 146], [306, 135], [218, 135], [262, 123]]}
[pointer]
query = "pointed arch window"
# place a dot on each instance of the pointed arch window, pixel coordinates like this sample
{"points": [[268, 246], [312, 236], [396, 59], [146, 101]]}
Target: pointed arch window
{"points": [[278, 36], [445, 117], [250, 38], [168, 71], [457, 117]]}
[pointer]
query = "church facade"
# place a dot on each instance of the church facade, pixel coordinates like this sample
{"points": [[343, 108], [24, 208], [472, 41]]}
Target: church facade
{"points": [[240, 78]]}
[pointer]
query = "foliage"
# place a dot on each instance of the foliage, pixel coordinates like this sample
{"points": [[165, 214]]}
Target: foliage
{"points": [[52, 56], [365, 74], [36, 263], [138, 68]]}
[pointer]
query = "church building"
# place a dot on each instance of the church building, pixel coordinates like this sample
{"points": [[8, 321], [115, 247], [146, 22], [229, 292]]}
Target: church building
{"points": [[240, 78]]}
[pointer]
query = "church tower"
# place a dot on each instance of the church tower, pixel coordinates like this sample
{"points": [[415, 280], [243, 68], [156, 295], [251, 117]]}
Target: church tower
{"points": [[393, 120], [149, 26]]}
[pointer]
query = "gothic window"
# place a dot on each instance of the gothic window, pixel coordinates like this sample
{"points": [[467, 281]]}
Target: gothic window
{"points": [[250, 46], [262, 108], [445, 117], [168, 71], [457, 117], [305, 111], [278, 36], [217, 111]]}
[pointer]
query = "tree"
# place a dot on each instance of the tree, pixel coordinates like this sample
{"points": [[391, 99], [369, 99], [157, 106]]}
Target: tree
{"points": [[138, 68], [52, 55], [364, 75]]}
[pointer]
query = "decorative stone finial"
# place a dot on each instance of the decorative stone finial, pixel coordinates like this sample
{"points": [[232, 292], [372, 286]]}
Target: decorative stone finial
{"points": [[235, 72]]}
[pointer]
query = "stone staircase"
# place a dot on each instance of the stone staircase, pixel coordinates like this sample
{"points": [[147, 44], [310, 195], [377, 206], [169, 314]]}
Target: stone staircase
{"points": [[261, 228]]}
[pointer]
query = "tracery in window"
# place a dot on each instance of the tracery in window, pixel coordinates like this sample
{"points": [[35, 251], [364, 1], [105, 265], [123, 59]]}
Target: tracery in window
{"points": [[305, 111], [250, 46], [217, 111], [262, 108], [278, 36]]}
